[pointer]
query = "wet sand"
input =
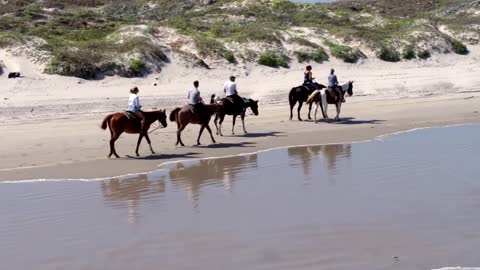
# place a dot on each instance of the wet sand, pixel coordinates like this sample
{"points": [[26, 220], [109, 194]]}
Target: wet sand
{"points": [[75, 147], [408, 201]]}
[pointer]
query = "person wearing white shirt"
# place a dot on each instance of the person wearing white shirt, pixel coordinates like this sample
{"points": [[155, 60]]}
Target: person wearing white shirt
{"points": [[230, 90], [134, 105], [195, 99]]}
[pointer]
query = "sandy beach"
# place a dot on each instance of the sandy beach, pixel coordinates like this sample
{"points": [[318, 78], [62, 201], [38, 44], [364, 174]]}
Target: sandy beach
{"points": [[50, 124]]}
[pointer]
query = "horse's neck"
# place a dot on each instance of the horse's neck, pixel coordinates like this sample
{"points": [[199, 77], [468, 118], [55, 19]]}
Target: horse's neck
{"points": [[150, 117]]}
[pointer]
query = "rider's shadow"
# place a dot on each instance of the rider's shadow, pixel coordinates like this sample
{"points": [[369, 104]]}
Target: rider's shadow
{"points": [[164, 156], [352, 121], [263, 134], [227, 145]]}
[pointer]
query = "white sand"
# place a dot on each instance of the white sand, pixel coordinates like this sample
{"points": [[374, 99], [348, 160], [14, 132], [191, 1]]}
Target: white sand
{"points": [[442, 90]]}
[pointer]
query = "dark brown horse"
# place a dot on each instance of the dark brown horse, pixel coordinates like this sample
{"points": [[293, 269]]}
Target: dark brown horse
{"points": [[323, 97], [232, 109], [119, 123], [300, 94], [186, 115]]}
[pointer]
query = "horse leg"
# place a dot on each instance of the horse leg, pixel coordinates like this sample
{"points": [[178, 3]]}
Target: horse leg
{"points": [[243, 123], [292, 104], [112, 145], [179, 132], [339, 107], [211, 135], [111, 137], [200, 134], [140, 137], [233, 124], [215, 122], [315, 115], [309, 110], [325, 105], [322, 103], [222, 118], [149, 143], [300, 104]]}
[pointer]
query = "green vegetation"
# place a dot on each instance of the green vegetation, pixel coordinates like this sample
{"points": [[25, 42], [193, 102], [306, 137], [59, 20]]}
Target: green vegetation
{"points": [[388, 53], [457, 46], [209, 46], [425, 54], [304, 42], [273, 59], [408, 53], [83, 37], [137, 67], [347, 54], [318, 55], [229, 56]]}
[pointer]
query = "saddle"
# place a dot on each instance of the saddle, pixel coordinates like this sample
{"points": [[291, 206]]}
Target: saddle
{"points": [[132, 116], [238, 102], [192, 108], [334, 94]]}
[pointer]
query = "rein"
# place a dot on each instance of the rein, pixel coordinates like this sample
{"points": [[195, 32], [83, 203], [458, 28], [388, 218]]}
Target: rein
{"points": [[156, 128], [250, 113]]}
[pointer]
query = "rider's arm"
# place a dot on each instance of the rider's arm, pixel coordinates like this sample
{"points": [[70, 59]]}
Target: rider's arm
{"points": [[136, 102]]}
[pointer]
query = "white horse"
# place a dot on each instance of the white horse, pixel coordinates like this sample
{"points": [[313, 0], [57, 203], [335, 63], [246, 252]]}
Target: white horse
{"points": [[323, 97]]}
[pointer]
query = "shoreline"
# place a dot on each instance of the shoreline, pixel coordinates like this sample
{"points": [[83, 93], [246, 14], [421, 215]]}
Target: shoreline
{"points": [[270, 130], [166, 163]]}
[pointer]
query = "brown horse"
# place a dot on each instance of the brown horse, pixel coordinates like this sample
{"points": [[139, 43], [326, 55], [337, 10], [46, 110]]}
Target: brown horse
{"points": [[230, 108], [119, 123], [186, 115]]}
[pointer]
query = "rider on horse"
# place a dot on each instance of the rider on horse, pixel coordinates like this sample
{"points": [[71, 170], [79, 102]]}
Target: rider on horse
{"points": [[134, 106], [196, 100], [333, 87], [230, 89], [308, 79]]}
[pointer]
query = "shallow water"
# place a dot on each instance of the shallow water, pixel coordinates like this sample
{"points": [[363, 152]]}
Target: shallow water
{"points": [[409, 201]]}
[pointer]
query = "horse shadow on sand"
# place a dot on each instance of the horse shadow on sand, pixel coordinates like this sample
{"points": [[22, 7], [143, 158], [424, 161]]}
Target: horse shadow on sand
{"points": [[165, 156], [263, 134], [227, 145], [352, 121]]}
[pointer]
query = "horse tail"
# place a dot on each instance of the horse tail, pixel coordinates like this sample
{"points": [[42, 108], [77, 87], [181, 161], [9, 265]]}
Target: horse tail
{"points": [[291, 96], [106, 121], [212, 99], [313, 96], [173, 114]]}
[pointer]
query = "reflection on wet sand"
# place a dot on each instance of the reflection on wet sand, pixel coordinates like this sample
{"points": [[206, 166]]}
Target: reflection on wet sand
{"points": [[195, 175], [130, 192], [303, 156]]}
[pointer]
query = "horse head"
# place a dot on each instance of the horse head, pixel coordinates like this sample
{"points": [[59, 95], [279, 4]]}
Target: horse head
{"points": [[162, 117], [350, 88], [254, 106]]}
